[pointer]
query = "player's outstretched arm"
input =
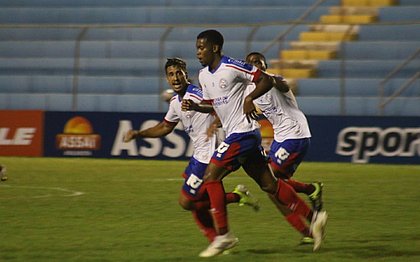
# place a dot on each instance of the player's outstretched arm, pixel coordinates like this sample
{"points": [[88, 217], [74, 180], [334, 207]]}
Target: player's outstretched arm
{"points": [[203, 107], [159, 130]]}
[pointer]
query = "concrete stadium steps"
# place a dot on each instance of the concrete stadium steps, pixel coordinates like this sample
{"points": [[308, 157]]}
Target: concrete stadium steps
{"points": [[348, 19], [338, 38], [369, 2]]}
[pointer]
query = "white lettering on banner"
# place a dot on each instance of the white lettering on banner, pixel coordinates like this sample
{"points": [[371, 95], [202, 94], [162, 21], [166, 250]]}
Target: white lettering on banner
{"points": [[22, 137], [119, 144], [155, 145], [364, 142], [70, 142]]}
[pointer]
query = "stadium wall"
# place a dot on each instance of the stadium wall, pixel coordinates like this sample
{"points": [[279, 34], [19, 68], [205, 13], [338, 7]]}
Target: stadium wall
{"points": [[99, 134]]}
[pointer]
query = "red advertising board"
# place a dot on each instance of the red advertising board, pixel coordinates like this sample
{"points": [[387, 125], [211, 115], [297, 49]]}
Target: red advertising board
{"points": [[21, 133]]}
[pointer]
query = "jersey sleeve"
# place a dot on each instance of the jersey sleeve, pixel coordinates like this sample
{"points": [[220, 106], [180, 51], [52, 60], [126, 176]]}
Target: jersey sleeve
{"points": [[171, 116], [243, 70]]}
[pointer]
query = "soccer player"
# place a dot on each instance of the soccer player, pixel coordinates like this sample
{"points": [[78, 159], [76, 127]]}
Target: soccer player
{"points": [[195, 124], [291, 134], [224, 81]]}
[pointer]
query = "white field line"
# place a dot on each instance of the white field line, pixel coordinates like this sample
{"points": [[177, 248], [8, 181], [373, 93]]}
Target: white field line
{"points": [[64, 191]]}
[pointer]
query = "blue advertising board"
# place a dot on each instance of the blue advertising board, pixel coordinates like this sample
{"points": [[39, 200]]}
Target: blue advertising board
{"points": [[99, 134], [365, 139], [334, 138]]}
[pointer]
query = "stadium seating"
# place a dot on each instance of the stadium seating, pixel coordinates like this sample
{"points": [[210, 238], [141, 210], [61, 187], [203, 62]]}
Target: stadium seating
{"points": [[120, 66]]}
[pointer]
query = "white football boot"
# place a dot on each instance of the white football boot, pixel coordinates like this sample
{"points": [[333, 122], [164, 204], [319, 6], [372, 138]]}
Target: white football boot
{"points": [[318, 228], [220, 244]]}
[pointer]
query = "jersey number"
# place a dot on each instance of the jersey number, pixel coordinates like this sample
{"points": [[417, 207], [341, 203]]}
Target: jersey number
{"points": [[194, 181], [282, 154], [223, 147]]}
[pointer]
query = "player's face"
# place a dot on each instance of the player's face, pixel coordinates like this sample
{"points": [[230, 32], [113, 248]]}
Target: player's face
{"points": [[257, 61], [177, 79], [205, 54]]}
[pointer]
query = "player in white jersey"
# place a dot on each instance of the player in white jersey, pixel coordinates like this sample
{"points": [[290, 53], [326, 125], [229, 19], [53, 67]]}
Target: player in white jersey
{"points": [[195, 125], [224, 81], [291, 134]]}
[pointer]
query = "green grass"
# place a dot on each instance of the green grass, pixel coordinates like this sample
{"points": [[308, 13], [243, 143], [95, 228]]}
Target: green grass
{"points": [[128, 212]]}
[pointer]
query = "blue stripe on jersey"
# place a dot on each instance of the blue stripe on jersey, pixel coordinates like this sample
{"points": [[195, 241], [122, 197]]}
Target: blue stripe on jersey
{"points": [[238, 63], [195, 90]]}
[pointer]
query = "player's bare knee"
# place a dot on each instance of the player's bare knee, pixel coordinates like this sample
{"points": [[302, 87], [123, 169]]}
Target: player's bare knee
{"points": [[269, 188], [185, 203]]}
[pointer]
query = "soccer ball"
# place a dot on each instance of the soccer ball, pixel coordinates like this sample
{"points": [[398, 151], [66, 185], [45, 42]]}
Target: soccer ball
{"points": [[167, 95]]}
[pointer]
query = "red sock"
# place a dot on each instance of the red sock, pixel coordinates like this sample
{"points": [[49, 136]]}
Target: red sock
{"points": [[205, 204], [295, 220], [300, 187], [205, 222], [287, 196], [216, 194]]}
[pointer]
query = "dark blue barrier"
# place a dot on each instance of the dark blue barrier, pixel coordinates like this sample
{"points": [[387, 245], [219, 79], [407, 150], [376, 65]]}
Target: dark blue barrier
{"points": [[365, 139], [334, 139], [100, 135]]}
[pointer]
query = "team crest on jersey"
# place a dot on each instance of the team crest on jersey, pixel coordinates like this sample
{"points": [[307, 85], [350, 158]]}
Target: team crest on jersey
{"points": [[222, 83]]}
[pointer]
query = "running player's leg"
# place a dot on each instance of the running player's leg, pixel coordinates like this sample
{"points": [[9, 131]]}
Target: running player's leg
{"points": [[192, 198], [285, 158], [283, 195], [225, 159]]}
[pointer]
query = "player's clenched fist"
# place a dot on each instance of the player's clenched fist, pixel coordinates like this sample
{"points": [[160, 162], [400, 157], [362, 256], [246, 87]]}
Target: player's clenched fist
{"points": [[188, 105], [130, 135]]}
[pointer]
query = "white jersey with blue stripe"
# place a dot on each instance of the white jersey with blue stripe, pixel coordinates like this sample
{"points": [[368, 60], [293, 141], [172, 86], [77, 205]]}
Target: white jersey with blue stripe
{"points": [[281, 109], [225, 88], [195, 123]]}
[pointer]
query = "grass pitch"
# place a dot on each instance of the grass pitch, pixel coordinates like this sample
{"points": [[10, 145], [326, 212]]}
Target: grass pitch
{"points": [[54, 209]]}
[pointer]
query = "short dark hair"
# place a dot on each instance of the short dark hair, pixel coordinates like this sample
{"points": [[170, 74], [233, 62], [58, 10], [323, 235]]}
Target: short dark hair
{"points": [[260, 55], [212, 36], [175, 61]]}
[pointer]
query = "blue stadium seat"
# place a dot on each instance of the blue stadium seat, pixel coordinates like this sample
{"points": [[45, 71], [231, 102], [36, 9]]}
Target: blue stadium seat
{"points": [[389, 32], [31, 101], [365, 68], [154, 15], [317, 105], [120, 67], [354, 87], [124, 103], [379, 50], [114, 3], [359, 106], [399, 13]]}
